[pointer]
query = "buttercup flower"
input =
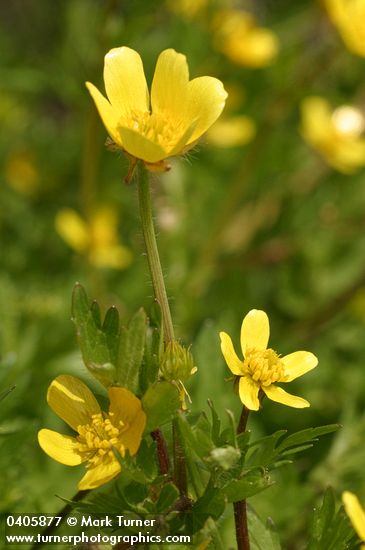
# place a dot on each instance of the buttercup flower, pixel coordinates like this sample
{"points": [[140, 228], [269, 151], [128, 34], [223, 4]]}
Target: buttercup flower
{"points": [[356, 513], [97, 239], [349, 16], [169, 124], [262, 366], [187, 8], [337, 135], [99, 433], [239, 37]]}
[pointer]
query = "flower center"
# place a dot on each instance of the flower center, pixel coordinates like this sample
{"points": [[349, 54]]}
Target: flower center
{"points": [[264, 366], [97, 439], [348, 121], [156, 127]]}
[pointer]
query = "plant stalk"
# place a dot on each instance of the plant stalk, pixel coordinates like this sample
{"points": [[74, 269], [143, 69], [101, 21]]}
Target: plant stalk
{"points": [[145, 209], [162, 452], [240, 508]]}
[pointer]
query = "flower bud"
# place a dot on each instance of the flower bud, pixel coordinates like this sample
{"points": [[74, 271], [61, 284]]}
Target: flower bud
{"points": [[177, 362]]}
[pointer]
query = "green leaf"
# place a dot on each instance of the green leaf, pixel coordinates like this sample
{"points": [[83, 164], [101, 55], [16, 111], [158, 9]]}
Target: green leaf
{"points": [[262, 537], [98, 344], [330, 529], [6, 392], [268, 451], [135, 493], [195, 431], [253, 482], [305, 436], [143, 459], [95, 312], [264, 449], [210, 504], [130, 353], [151, 359], [168, 496], [160, 402]]}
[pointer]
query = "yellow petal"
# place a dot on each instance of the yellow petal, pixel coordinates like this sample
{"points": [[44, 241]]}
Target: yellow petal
{"points": [[249, 393], [72, 400], [355, 512], [114, 257], [184, 143], [229, 354], [298, 363], [99, 475], [108, 114], [281, 396], [348, 156], [140, 147], [125, 83], [126, 408], [336, 10], [255, 331], [62, 448], [169, 85], [316, 119], [205, 102], [73, 229]]}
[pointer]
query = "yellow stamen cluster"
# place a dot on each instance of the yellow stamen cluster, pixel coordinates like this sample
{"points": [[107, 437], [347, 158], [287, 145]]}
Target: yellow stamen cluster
{"points": [[98, 438], [156, 127], [348, 121], [263, 366]]}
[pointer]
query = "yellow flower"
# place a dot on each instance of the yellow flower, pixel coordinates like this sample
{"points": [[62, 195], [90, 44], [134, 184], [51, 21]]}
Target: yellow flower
{"points": [[349, 16], [187, 8], [99, 434], [262, 366], [21, 172], [335, 134], [232, 131], [356, 514], [242, 41], [179, 112], [97, 239]]}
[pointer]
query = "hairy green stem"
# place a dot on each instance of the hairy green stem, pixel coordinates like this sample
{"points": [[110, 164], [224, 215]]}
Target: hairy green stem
{"points": [[180, 478], [240, 509], [145, 209]]}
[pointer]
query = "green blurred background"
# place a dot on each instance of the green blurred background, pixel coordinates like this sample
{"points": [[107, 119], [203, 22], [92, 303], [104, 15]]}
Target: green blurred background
{"points": [[265, 225]]}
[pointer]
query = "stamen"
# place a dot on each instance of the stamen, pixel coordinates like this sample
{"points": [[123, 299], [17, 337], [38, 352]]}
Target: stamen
{"points": [[264, 366], [156, 127], [97, 439]]}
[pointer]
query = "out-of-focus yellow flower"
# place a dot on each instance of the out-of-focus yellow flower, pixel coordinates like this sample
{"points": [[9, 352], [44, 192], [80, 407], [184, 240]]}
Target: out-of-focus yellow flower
{"points": [[262, 366], [232, 131], [356, 513], [99, 433], [98, 239], [21, 172], [335, 134], [349, 18], [187, 8], [180, 110], [239, 37]]}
